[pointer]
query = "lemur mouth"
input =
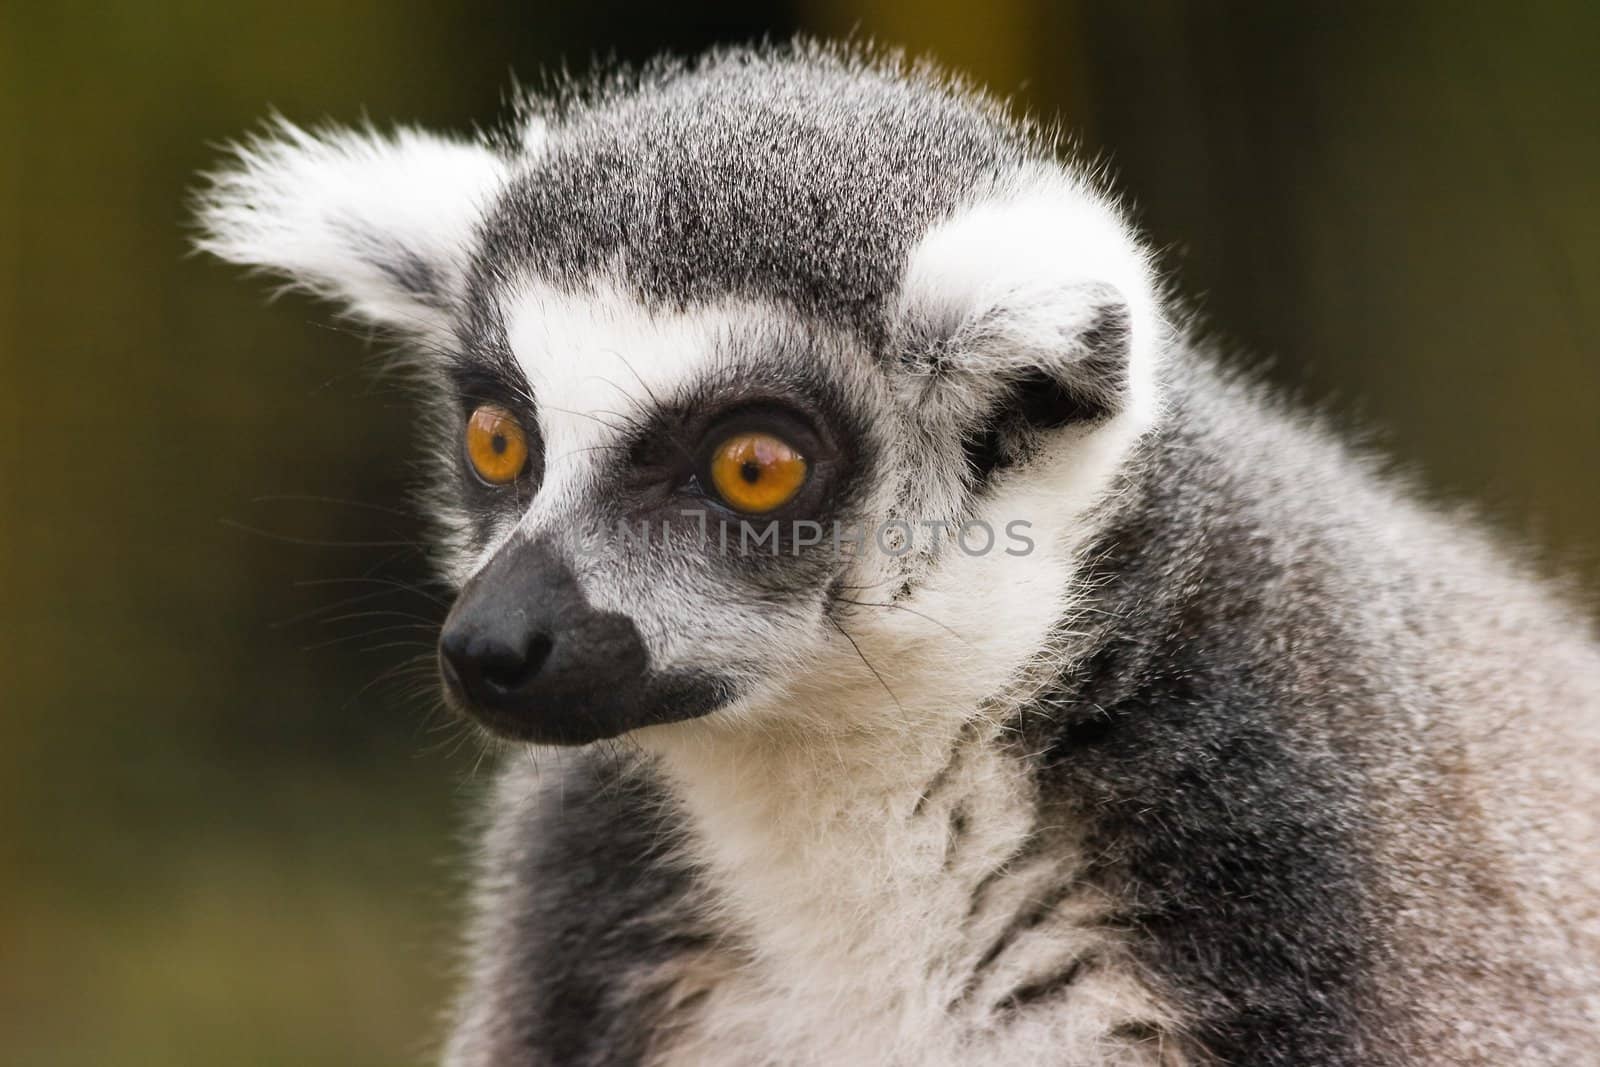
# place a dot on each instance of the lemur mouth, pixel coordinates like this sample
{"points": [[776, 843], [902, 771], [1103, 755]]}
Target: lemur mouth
{"points": [[527, 657], [594, 709]]}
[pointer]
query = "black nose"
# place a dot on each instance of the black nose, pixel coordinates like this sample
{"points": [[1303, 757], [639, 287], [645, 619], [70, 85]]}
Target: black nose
{"points": [[491, 669], [525, 654]]}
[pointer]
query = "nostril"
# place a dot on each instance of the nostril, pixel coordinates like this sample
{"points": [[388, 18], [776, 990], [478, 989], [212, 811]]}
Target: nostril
{"points": [[505, 669], [538, 652]]}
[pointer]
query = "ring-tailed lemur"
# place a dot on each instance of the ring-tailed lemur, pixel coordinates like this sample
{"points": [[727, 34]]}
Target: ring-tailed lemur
{"points": [[1131, 719]]}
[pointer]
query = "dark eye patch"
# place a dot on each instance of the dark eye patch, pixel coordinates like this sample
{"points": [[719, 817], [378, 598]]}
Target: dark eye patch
{"points": [[478, 385], [664, 467]]}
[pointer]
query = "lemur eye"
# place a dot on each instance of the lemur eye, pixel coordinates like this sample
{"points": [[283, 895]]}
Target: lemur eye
{"points": [[496, 445], [757, 472]]}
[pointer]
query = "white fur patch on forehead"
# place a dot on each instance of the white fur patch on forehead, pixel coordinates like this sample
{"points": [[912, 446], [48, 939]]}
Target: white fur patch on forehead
{"points": [[598, 360], [1024, 270], [383, 223]]}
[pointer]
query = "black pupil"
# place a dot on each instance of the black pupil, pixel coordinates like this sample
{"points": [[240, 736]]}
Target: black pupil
{"points": [[750, 471], [498, 443]]}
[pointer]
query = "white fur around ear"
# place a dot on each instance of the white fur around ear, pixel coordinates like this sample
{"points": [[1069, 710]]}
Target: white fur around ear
{"points": [[1027, 279], [382, 223]]}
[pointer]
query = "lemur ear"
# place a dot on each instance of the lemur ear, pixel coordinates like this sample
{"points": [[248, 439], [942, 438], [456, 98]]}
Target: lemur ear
{"points": [[382, 223], [1036, 305]]}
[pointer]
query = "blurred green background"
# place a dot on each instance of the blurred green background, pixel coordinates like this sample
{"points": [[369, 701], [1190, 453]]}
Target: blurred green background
{"points": [[229, 808]]}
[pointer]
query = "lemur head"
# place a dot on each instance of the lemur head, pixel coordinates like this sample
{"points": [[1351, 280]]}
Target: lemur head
{"points": [[723, 356]]}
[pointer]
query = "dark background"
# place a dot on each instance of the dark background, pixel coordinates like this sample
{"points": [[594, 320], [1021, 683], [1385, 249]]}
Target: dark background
{"points": [[228, 804]]}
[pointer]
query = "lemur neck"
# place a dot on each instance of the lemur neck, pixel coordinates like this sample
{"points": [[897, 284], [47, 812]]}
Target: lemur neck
{"points": [[851, 855]]}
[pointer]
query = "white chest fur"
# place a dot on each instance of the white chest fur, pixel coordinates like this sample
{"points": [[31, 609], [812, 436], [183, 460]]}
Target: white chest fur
{"points": [[898, 907]]}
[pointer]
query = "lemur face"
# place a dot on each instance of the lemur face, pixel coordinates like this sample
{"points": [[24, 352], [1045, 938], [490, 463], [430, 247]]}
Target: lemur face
{"points": [[660, 542], [721, 361]]}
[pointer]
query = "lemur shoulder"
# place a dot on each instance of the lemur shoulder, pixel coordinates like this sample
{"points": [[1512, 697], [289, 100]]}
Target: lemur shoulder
{"points": [[1239, 754]]}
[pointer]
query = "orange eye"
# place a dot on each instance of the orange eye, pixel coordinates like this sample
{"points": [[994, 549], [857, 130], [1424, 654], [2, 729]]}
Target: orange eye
{"points": [[496, 445], [757, 472]]}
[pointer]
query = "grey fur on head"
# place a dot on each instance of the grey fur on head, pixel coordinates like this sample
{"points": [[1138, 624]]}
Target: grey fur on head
{"points": [[1251, 757]]}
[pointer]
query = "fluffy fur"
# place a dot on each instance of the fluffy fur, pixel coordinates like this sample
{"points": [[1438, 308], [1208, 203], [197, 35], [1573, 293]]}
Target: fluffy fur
{"points": [[1252, 759]]}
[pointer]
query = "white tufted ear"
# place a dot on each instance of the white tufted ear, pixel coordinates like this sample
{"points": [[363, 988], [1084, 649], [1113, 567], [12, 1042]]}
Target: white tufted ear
{"points": [[1041, 281], [382, 223]]}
